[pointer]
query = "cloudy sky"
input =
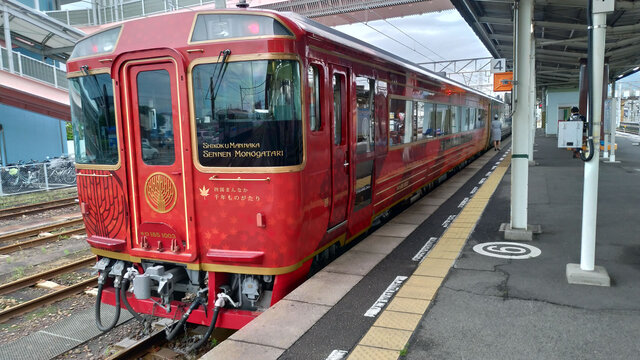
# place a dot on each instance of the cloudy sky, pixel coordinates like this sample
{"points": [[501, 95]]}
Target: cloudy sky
{"points": [[436, 37]]}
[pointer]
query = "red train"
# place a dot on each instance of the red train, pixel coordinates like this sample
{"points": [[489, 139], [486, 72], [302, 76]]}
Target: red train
{"points": [[220, 152]]}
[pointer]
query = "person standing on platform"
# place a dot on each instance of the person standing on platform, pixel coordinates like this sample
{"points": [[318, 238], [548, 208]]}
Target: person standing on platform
{"points": [[496, 132], [575, 116]]}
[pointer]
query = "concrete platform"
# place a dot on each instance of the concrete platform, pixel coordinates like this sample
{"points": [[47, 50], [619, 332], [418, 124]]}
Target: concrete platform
{"points": [[457, 303]]}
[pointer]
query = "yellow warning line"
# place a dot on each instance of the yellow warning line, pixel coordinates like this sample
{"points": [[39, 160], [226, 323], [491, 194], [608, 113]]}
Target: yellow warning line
{"points": [[390, 333]]}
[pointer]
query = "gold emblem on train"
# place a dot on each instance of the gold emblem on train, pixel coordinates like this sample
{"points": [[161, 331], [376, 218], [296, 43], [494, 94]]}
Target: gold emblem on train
{"points": [[160, 192]]}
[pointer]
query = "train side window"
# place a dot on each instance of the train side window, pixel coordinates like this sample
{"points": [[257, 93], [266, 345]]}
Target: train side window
{"points": [[365, 114], [472, 116], [426, 120], [156, 120], [315, 120], [401, 121], [464, 119], [408, 122], [419, 108], [337, 108], [443, 119], [456, 114], [481, 118]]}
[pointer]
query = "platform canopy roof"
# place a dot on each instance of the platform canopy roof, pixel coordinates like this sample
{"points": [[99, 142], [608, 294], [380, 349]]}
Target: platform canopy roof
{"points": [[560, 28], [341, 12], [37, 32]]}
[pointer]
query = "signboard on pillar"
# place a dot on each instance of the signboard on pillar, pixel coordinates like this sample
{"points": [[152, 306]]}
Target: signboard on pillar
{"points": [[498, 65], [503, 81]]}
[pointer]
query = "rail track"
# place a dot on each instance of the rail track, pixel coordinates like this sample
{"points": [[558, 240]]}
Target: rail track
{"points": [[629, 128], [36, 303], [19, 235], [46, 275], [28, 209], [48, 298], [141, 348]]}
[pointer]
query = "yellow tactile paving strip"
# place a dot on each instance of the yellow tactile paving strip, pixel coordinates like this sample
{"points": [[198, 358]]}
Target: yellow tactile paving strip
{"points": [[390, 333]]}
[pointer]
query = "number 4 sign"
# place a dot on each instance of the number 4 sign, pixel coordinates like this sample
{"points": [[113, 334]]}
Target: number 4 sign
{"points": [[498, 65]]}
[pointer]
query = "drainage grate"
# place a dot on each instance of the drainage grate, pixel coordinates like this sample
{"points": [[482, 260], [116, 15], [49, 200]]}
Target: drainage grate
{"points": [[59, 337]]}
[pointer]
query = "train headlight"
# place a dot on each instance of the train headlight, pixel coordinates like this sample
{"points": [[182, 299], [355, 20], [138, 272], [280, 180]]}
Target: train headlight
{"points": [[100, 43]]}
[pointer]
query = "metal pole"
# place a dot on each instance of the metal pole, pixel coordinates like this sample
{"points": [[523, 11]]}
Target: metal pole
{"points": [[608, 125], [55, 76], [46, 176], [590, 195], [7, 37], [520, 157], [615, 107], [532, 100], [19, 63], [94, 8]]}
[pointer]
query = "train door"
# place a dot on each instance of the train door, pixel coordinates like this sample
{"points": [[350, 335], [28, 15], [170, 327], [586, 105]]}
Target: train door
{"points": [[365, 146], [340, 146], [157, 138]]}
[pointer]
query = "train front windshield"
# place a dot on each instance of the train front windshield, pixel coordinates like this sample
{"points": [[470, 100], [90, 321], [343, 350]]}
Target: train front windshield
{"points": [[93, 119], [248, 113]]}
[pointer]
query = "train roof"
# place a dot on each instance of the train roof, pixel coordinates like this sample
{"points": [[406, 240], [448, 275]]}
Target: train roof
{"points": [[315, 27], [310, 26]]}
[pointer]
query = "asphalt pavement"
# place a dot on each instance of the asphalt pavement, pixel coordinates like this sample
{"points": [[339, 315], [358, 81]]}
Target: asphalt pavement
{"points": [[494, 308]]}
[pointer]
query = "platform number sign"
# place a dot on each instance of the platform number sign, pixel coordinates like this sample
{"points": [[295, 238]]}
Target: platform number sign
{"points": [[498, 65]]}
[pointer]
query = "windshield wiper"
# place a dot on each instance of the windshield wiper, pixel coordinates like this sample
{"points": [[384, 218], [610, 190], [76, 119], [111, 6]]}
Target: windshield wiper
{"points": [[103, 100], [214, 85]]}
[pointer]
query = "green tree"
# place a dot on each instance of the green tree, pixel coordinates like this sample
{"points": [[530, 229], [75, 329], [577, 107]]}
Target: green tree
{"points": [[69, 131]]}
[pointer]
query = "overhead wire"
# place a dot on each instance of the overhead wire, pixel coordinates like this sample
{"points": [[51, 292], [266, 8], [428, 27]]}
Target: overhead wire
{"points": [[384, 34], [409, 36]]}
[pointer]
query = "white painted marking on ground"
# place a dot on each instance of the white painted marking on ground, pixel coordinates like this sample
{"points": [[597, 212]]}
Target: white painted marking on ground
{"points": [[425, 249], [507, 250], [498, 162], [337, 355], [493, 167], [61, 336], [463, 202], [473, 191], [447, 222], [487, 174], [386, 295], [482, 180]]}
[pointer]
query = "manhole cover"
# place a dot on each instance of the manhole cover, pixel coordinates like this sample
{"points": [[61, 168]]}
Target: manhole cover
{"points": [[507, 250]]}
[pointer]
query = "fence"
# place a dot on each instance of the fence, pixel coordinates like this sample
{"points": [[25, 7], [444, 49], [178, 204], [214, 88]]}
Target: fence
{"points": [[125, 10], [18, 179], [29, 67]]}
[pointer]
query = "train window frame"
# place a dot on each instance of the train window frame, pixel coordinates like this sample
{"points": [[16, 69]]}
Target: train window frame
{"points": [[426, 135], [408, 122], [443, 123], [481, 118], [454, 119], [315, 96], [338, 122], [268, 169], [472, 118], [168, 145], [368, 144], [190, 40], [118, 133]]}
